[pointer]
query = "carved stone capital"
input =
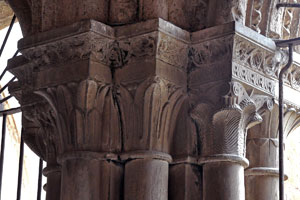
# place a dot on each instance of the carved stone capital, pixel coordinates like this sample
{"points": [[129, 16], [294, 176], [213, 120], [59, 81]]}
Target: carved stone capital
{"points": [[39, 130], [110, 89], [223, 130]]}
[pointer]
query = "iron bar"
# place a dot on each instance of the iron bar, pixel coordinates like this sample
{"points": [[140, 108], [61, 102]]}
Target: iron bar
{"points": [[281, 147], [20, 173], [5, 70], [39, 189], [2, 150], [5, 99], [286, 43], [7, 34], [5, 86], [288, 5], [10, 111]]}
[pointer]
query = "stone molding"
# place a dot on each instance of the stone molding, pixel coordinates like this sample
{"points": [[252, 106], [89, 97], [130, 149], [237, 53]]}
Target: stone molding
{"points": [[263, 171], [225, 158], [51, 169]]}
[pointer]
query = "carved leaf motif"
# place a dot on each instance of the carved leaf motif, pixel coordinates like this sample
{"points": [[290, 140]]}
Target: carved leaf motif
{"points": [[257, 59], [40, 132], [87, 116], [153, 107]]}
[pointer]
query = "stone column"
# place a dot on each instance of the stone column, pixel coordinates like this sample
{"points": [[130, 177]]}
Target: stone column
{"points": [[114, 94], [262, 152], [185, 176], [147, 178], [52, 187], [223, 140], [149, 104], [40, 135], [261, 176], [90, 175]]}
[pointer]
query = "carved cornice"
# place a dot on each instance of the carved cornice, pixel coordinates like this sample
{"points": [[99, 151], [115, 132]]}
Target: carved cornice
{"points": [[255, 60]]}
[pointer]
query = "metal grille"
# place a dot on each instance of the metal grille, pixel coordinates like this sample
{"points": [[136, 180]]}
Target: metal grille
{"points": [[3, 114]]}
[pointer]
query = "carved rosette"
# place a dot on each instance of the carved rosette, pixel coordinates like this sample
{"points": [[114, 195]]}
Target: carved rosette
{"points": [[224, 130]]}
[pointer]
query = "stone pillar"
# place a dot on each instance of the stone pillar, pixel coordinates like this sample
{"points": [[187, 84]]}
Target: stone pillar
{"points": [[261, 176], [115, 110], [225, 173], [262, 152], [185, 176], [224, 142], [52, 188], [114, 77], [146, 178], [41, 136], [96, 177]]}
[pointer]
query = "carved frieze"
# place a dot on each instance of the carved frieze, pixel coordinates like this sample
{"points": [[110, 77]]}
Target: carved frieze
{"points": [[172, 51], [108, 51], [254, 79]]}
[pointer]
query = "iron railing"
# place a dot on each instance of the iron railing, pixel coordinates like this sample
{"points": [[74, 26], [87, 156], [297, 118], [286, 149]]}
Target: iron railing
{"points": [[4, 113]]}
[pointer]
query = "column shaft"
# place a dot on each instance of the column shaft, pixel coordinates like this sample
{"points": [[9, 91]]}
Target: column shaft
{"points": [[223, 180], [90, 178], [53, 174], [146, 179]]}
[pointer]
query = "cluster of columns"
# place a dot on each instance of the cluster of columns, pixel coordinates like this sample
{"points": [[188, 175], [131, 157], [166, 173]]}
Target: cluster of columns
{"points": [[125, 105]]}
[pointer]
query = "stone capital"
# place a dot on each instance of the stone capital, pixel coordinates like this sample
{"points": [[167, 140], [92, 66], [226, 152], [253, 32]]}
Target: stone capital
{"points": [[110, 89], [224, 127]]}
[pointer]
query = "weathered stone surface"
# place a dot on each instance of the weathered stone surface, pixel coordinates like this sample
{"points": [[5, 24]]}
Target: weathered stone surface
{"points": [[53, 174], [91, 178], [140, 108], [146, 179], [185, 182], [217, 187]]}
